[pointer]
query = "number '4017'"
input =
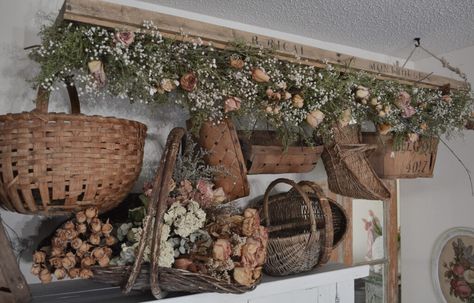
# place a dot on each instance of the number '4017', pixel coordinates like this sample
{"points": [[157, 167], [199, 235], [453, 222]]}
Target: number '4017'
{"points": [[417, 166]]}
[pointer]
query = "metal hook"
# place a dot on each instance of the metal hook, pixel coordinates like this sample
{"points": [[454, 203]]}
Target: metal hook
{"points": [[417, 42]]}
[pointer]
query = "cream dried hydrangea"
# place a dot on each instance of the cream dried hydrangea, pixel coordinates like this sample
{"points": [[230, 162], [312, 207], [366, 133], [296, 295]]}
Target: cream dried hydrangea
{"points": [[185, 220]]}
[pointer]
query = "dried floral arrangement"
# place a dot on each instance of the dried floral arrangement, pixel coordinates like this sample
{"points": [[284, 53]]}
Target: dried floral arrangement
{"points": [[195, 235], [295, 99], [77, 245]]}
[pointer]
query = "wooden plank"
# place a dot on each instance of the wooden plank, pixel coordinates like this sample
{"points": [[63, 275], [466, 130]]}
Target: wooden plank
{"points": [[347, 244], [15, 282], [391, 269], [102, 13]]}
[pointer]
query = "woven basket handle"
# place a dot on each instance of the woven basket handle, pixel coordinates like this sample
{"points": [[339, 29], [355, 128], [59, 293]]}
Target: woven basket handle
{"points": [[156, 209], [303, 195], [326, 248], [42, 99]]}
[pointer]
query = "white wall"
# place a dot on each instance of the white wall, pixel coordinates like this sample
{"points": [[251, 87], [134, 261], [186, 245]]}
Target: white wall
{"points": [[430, 206], [19, 23]]}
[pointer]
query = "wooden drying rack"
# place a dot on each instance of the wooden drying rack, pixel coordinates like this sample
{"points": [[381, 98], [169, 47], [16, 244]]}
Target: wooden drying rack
{"points": [[107, 14]]}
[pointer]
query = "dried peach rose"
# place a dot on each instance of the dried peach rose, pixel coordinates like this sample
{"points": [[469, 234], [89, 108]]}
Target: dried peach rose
{"points": [[221, 250], [251, 221], [244, 276], [39, 256]]}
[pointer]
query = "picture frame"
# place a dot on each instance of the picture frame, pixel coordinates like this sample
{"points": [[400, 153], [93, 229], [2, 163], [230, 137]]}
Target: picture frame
{"points": [[452, 266]]}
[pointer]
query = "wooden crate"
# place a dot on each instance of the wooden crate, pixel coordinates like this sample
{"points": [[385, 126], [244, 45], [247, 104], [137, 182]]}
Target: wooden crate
{"points": [[412, 160], [264, 154], [13, 287]]}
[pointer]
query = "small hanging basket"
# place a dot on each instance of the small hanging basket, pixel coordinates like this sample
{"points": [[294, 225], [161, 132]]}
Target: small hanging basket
{"points": [[57, 163], [223, 145], [265, 154], [348, 169], [411, 160], [301, 230]]}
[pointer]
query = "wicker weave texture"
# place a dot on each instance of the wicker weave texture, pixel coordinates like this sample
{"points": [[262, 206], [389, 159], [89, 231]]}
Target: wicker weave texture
{"points": [[348, 169], [301, 236], [224, 150], [170, 279], [264, 154], [56, 163]]}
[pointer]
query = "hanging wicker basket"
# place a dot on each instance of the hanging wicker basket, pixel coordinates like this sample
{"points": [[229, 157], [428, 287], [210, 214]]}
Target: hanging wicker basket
{"points": [[57, 163], [348, 169], [150, 276], [265, 154], [224, 149], [411, 160], [301, 230]]}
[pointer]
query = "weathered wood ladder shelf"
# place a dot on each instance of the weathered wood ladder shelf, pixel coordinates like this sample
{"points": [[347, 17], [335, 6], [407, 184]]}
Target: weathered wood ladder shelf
{"points": [[108, 14]]}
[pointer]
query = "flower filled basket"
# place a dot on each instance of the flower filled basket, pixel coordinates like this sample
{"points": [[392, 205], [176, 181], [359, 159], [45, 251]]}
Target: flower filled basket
{"points": [[301, 230], [222, 144], [410, 160], [227, 257], [57, 163], [349, 171], [265, 154]]}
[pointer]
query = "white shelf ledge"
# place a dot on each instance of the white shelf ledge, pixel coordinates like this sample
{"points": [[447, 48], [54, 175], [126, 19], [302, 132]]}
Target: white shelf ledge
{"points": [[88, 291]]}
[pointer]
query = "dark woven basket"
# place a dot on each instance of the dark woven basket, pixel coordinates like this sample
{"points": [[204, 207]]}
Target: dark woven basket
{"points": [[301, 228], [160, 279], [348, 169], [57, 163], [170, 279]]}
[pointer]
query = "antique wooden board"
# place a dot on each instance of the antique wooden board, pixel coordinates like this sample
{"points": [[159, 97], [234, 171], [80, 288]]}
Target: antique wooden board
{"points": [[108, 14]]}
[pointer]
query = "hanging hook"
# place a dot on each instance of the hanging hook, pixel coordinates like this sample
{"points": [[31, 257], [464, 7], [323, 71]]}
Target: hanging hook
{"points": [[417, 42]]}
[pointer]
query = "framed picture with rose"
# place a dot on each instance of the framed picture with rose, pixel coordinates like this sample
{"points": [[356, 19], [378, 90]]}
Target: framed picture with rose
{"points": [[453, 266]]}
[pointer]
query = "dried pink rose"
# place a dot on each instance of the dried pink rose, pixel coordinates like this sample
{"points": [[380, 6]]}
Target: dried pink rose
{"points": [[447, 99], [126, 38], [249, 252], [96, 68], [251, 221], [221, 250], [413, 137], [189, 81], [232, 104], [219, 195], [408, 111], [244, 276]]}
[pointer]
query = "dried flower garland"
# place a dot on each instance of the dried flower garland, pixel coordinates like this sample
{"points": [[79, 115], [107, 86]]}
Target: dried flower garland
{"points": [[297, 100], [77, 245]]}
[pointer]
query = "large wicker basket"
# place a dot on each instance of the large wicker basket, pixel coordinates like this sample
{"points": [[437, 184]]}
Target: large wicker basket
{"points": [[411, 160], [301, 228], [265, 154], [56, 163], [152, 276], [348, 169]]}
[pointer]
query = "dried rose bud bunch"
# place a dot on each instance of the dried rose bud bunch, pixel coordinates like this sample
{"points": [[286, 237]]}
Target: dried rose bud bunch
{"points": [[77, 245]]}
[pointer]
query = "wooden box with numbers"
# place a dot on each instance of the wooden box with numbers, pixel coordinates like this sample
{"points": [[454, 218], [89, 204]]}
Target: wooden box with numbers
{"points": [[412, 160]]}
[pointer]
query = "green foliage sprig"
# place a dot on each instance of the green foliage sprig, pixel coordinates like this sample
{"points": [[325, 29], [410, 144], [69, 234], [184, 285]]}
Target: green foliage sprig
{"points": [[296, 100]]}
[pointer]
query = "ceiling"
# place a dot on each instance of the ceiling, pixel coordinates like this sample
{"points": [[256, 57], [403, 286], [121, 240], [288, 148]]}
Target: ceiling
{"points": [[382, 26]]}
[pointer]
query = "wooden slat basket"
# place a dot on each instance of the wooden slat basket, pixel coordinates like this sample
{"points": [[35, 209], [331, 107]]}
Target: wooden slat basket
{"points": [[265, 154], [222, 143], [411, 160], [57, 163]]}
